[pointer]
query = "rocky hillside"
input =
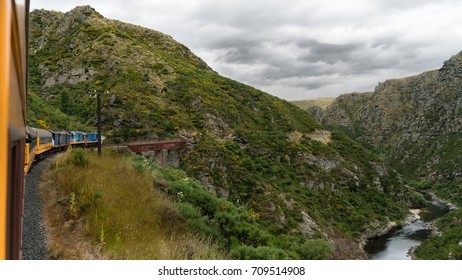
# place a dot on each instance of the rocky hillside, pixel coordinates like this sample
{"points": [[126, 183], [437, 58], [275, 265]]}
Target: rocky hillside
{"points": [[267, 156], [415, 124]]}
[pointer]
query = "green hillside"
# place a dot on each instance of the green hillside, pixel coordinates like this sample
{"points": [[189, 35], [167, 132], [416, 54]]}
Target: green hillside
{"points": [[42, 115], [249, 148]]}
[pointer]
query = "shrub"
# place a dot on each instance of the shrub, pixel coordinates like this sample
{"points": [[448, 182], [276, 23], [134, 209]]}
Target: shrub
{"points": [[174, 174], [78, 158], [194, 193], [196, 221], [417, 199], [315, 249], [259, 253]]}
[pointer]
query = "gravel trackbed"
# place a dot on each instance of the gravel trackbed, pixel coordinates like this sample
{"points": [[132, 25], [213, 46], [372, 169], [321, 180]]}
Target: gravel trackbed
{"points": [[34, 245]]}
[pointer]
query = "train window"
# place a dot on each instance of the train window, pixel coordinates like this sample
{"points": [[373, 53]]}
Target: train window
{"points": [[33, 143], [45, 140], [20, 2]]}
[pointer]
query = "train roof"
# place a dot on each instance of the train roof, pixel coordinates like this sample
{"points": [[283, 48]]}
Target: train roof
{"points": [[58, 131], [31, 131], [43, 132]]}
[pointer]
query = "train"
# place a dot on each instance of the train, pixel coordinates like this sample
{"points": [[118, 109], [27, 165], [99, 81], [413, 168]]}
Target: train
{"points": [[13, 89], [20, 144], [41, 142]]}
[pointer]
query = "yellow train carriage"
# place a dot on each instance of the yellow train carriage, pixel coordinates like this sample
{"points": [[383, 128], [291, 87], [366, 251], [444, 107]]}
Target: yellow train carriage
{"points": [[44, 141], [31, 145], [13, 56]]}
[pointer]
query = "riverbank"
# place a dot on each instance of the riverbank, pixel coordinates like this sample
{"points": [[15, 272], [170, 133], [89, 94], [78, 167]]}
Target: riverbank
{"points": [[399, 241], [376, 229], [448, 204]]}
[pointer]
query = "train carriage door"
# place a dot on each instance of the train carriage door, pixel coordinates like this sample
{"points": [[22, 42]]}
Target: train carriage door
{"points": [[15, 196]]}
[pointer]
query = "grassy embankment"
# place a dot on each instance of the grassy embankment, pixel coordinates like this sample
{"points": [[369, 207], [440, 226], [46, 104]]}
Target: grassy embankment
{"points": [[128, 208], [98, 209]]}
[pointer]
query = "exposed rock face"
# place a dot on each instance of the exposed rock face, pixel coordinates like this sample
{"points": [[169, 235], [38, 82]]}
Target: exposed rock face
{"points": [[52, 33], [415, 122], [308, 227], [72, 76], [317, 113], [165, 158]]}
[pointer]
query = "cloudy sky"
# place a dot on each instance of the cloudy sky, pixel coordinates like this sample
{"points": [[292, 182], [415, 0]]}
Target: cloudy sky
{"points": [[299, 49]]}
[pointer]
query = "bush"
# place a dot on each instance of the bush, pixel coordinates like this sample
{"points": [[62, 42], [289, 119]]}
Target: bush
{"points": [[174, 174], [418, 200], [194, 193], [78, 158], [196, 221], [259, 253], [315, 249]]}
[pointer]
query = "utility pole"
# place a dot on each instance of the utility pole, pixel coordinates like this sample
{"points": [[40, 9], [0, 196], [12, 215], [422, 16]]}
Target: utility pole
{"points": [[98, 97]]}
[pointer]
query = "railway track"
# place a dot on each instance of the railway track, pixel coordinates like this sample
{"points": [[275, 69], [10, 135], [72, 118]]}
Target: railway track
{"points": [[34, 246]]}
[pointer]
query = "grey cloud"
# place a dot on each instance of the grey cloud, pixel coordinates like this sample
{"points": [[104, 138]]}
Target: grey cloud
{"points": [[400, 5], [297, 71], [248, 15], [314, 59], [383, 43], [315, 51], [237, 50], [240, 55], [235, 41], [310, 85]]}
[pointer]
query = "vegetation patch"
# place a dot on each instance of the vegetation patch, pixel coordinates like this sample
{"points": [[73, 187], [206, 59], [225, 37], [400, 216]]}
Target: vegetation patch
{"points": [[447, 243], [236, 229], [106, 208], [321, 102]]}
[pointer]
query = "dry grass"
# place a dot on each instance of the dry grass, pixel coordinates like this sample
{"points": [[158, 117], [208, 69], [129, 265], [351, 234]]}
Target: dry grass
{"points": [[321, 102], [323, 136], [108, 210]]}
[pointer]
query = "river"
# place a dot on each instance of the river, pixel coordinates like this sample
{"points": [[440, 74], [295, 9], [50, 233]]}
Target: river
{"points": [[396, 244]]}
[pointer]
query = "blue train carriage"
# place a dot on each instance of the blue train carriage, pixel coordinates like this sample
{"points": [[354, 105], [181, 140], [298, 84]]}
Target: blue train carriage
{"points": [[61, 140], [77, 138], [31, 145], [91, 139]]}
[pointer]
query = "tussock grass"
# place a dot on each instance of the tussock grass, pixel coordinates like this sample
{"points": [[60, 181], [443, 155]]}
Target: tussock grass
{"points": [[322, 102], [108, 209]]}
